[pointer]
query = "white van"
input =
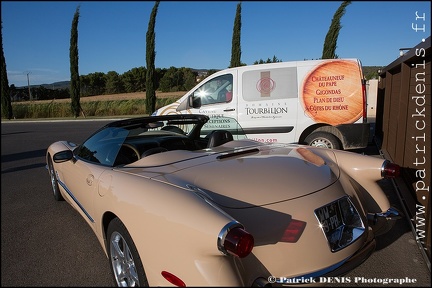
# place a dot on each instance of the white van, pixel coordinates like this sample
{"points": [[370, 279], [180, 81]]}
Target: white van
{"points": [[316, 102]]}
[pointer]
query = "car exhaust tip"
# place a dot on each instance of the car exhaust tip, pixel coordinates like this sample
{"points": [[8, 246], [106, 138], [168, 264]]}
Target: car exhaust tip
{"points": [[390, 215]]}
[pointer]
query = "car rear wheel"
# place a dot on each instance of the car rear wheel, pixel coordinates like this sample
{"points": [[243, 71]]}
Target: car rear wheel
{"points": [[323, 140], [54, 182], [125, 261]]}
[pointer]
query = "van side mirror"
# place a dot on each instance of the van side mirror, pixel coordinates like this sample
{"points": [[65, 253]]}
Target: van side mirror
{"points": [[194, 101]]}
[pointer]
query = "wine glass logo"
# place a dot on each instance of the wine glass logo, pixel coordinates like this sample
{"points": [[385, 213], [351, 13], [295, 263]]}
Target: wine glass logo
{"points": [[265, 86]]}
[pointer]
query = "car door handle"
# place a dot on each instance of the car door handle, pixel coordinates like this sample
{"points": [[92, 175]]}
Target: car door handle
{"points": [[229, 110]]}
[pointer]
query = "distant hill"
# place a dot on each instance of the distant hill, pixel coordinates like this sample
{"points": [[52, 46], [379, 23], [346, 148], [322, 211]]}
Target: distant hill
{"points": [[55, 85]]}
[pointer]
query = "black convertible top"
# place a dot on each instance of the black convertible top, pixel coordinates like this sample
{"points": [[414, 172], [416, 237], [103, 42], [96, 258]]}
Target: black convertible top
{"points": [[172, 118]]}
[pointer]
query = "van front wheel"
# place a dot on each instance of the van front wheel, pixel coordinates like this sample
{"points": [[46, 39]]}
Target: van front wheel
{"points": [[323, 140]]}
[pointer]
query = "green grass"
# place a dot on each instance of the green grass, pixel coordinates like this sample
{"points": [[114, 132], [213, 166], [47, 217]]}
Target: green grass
{"points": [[91, 109]]}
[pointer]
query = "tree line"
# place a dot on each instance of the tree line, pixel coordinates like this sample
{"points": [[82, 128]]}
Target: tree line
{"points": [[166, 80], [148, 79]]}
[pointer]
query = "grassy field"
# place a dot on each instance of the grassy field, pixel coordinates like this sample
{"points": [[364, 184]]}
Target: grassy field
{"points": [[112, 97], [125, 104]]}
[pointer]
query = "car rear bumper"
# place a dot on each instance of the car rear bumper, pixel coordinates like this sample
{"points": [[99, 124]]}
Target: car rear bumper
{"points": [[337, 270], [354, 261]]}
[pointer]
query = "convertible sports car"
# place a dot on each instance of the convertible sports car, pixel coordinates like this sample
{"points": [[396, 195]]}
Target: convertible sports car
{"points": [[187, 200]]}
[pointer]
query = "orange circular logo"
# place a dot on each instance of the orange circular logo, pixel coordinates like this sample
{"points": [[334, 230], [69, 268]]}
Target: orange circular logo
{"points": [[332, 93]]}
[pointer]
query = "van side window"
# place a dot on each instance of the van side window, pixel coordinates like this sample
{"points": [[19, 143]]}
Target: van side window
{"points": [[217, 90]]}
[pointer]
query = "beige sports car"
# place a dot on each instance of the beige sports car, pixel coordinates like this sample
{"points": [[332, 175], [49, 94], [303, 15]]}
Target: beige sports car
{"points": [[187, 200]]}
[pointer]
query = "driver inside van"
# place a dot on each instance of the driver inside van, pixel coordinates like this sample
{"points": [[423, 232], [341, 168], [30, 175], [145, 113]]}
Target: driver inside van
{"points": [[228, 94]]}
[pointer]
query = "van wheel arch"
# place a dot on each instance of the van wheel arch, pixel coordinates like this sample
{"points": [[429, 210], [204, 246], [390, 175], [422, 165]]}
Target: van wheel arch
{"points": [[323, 140], [326, 134]]}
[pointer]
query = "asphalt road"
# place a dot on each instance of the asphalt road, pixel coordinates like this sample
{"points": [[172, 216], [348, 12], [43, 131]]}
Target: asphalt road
{"points": [[46, 243]]}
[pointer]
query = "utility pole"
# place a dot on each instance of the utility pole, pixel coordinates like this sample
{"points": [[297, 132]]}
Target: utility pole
{"points": [[28, 84]]}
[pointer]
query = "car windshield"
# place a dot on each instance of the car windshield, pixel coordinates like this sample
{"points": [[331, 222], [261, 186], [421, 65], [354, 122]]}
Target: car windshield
{"points": [[126, 141]]}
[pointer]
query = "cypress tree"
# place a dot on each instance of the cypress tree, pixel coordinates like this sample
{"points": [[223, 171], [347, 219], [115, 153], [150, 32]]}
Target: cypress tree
{"points": [[235, 48], [330, 43], [150, 60], [73, 56], [6, 105]]}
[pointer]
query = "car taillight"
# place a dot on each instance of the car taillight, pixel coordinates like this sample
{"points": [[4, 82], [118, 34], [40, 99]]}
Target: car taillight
{"points": [[239, 242], [390, 170], [293, 232], [173, 279], [234, 240]]}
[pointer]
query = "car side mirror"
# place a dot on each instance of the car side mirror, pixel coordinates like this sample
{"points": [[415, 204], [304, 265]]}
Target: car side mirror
{"points": [[63, 156], [194, 102]]}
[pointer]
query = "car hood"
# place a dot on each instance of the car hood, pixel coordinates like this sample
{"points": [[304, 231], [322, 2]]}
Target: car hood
{"points": [[252, 176]]}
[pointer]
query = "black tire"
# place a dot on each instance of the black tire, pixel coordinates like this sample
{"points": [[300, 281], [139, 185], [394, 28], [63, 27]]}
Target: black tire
{"points": [[323, 140], [124, 259], [54, 181]]}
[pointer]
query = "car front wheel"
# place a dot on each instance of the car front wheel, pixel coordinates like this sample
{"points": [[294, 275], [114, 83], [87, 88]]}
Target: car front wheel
{"points": [[323, 140], [54, 181], [125, 261]]}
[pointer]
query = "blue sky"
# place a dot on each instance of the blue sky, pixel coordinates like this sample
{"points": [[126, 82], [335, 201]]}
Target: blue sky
{"points": [[198, 34]]}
